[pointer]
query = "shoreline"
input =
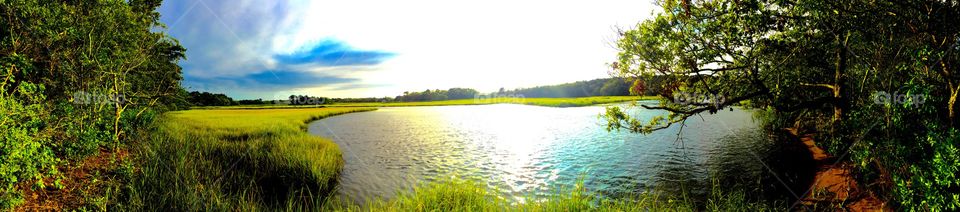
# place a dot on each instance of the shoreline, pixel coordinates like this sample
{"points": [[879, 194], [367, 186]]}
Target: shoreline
{"points": [[833, 182]]}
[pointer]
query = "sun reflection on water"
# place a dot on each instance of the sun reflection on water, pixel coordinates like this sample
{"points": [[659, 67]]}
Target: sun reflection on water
{"points": [[522, 151]]}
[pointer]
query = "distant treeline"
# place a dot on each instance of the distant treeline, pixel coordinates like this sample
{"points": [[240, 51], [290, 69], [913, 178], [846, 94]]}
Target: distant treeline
{"points": [[307, 100], [597, 87], [436, 95], [368, 99], [197, 98]]}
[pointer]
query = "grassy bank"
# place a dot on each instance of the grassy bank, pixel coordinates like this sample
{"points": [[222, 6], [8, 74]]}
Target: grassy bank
{"points": [[235, 160], [549, 102], [460, 195]]}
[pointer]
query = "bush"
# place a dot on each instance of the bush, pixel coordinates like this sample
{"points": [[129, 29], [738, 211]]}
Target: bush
{"points": [[25, 152], [933, 183]]}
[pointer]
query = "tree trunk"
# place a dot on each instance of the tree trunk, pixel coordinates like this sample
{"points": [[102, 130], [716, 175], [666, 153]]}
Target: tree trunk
{"points": [[839, 83], [951, 102]]}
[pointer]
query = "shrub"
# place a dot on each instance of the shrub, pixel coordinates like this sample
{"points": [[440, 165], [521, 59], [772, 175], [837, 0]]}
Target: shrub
{"points": [[25, 152]]}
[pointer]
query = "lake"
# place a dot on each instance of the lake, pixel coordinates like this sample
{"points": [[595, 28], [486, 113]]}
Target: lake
{"points": [[528, 151]]}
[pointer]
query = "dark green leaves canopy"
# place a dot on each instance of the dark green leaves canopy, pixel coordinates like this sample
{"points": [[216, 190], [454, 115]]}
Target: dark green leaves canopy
{"points": [[884, 72]]}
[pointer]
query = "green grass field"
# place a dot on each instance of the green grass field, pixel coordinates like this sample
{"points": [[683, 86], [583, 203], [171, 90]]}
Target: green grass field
{"points": [[235, 160], [549, 102]]}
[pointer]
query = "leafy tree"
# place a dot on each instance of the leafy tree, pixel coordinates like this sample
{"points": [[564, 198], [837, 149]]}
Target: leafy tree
{"points": [[820, 65], [77, 76]]}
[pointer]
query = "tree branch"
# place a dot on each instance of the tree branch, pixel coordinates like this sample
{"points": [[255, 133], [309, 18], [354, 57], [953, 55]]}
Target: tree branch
{"points": [[710, 107]]}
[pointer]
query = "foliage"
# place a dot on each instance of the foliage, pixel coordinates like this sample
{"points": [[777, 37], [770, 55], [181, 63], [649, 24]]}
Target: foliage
{"points": [[437, 95], [616, 87], [597, 87], [78, 76], [933, 183], [839, 69], [252, 102], [197, 98], [25, 152]]}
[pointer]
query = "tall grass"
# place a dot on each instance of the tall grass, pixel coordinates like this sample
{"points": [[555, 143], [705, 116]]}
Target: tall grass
{"points": [[235, 160], [463, 195]]}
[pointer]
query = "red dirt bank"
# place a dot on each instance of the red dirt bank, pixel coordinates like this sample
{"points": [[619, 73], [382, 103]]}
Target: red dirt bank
{"points": [[834, 184]]}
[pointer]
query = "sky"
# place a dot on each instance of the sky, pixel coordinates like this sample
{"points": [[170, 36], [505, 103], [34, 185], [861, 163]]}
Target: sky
{"points": [[271, 49]]}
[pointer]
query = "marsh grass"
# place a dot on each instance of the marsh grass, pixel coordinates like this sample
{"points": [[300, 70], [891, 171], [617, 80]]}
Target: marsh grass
{"points": [[235, 160], [467, 195]]}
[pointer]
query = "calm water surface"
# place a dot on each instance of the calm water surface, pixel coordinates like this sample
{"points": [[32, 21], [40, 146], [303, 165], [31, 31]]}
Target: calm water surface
{"points": [[528, 151]]}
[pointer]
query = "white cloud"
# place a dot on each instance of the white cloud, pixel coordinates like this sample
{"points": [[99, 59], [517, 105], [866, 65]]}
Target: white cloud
{"points": [[442, 44], [481, 44]]}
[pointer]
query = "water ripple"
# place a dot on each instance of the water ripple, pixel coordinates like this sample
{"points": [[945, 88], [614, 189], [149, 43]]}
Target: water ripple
{"points": [[529, 150]]}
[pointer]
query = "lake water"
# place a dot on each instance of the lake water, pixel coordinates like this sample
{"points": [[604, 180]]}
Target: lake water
{"points": [[528, 151]]}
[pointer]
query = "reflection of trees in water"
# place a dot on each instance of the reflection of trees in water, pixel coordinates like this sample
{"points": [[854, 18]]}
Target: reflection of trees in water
{"points": [[671, 175], [793, 164], [763, 164], [736, 163], [680, 174]]}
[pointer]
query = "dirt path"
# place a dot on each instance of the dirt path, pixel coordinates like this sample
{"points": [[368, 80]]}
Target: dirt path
{"points": [[834, 184], [81, 180]]}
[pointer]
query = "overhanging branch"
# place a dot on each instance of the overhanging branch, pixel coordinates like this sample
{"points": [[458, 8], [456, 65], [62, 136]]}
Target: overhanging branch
{"points": [[710, 107]]}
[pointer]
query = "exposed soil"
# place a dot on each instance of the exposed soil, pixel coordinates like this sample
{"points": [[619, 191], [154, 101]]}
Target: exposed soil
{"points": [[834, 184], [78, 181]]}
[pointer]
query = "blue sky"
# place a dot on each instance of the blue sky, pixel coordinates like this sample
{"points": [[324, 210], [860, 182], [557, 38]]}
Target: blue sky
{"points": [[271, 49]]}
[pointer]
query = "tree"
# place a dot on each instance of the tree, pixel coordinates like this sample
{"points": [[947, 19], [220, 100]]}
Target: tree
{"points": [[88, 73], [818, 64]]}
